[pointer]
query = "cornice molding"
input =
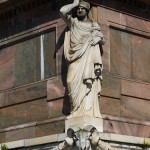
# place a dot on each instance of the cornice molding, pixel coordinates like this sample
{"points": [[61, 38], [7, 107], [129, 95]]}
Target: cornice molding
{"points": [[12, 8], [137, 8], [142, 4]]}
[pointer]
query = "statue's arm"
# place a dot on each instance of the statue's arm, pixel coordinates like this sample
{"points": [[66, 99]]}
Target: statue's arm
{"points": [[65, 10], [99, 38]]}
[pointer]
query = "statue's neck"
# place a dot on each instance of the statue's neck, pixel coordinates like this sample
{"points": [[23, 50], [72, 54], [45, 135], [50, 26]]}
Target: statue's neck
{"points": [[85, 19]]}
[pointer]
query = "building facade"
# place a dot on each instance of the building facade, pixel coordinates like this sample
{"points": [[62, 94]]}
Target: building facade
{"points": [[33, 96]]}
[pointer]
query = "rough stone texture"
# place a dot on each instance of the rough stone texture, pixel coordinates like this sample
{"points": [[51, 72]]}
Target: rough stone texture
{"points": [[50, 129], [111, 86], [135, 89], [2, 137], [2, 98], [110, 18], [55, 88], [23, 94], [59, 107], [20, 134], [135, 108], [141, 58], [110, 106], [120, 53], [123, 128], [55, 108], [23, 113], [7, 68]]}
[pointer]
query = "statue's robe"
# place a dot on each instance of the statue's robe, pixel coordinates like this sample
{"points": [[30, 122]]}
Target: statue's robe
{"points": [[83, 58]]}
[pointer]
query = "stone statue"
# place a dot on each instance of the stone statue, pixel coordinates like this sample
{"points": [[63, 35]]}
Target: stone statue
{"points": [[82, 51]]}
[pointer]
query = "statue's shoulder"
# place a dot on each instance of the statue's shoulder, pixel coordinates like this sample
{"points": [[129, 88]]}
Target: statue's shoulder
{"points": [[95, 24]]}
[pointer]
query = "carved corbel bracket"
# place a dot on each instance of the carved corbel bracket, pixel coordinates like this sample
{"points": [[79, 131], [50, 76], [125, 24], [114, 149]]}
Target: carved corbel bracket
{"points": [[83, 139]]}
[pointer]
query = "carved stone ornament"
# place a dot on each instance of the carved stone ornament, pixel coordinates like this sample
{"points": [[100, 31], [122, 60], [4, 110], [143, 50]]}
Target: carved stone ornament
{"points": [[83, 139]]}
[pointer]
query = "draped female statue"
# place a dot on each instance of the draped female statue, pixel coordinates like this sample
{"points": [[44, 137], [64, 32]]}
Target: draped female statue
{"points": [[82, 51]]}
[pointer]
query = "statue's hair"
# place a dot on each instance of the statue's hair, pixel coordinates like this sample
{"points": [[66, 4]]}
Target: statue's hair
{"points": [[84, 4]]}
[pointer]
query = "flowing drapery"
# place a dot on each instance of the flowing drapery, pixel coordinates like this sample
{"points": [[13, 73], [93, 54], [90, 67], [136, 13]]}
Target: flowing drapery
{"points": [[83, 83]]}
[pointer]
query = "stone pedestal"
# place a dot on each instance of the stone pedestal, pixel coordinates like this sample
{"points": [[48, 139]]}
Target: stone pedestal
{"points": [[84, 121]]}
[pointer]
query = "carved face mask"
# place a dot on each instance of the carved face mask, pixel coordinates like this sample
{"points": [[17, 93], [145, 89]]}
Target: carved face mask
{"points": [[81, 12]]}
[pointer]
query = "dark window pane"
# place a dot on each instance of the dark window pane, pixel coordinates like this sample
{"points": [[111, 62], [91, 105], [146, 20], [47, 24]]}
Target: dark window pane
{"points": [[29, 61], [25, 62], [49, 50]]}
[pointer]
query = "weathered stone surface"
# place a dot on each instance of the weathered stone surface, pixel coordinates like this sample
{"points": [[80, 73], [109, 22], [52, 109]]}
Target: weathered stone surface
{"points": [[23, 113], [50, 128], [120, 53], [2, 137], [102, 15], [118, 127], [109, 106], [128, 41], [135, 108], [106, 48], [20, 134], [128, 54], [7, 68], [26, 93], [142, 131], [2, 99], [111, 86], [141, 58], [137, 23], [106, 16], [55, 88], [56, 108], [135, 89], [125, 128]]}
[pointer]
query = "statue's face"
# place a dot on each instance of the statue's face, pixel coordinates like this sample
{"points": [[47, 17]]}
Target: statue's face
{"points": [[81, 12]]}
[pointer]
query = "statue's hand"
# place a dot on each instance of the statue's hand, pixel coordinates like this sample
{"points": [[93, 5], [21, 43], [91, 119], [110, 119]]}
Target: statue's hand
{"points": [[76, 2], [95, 41]]}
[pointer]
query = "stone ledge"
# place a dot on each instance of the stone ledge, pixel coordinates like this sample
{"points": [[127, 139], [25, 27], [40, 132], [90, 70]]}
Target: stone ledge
{"points": [[122, 138], [35, 141], [104, 117], [60, 137]]}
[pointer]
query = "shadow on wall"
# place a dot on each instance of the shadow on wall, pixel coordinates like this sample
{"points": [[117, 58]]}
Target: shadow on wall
{"points": [[64, 68]]}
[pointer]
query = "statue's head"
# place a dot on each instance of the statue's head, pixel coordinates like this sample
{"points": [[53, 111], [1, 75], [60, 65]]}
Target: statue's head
{"points": [[83, 9]]}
